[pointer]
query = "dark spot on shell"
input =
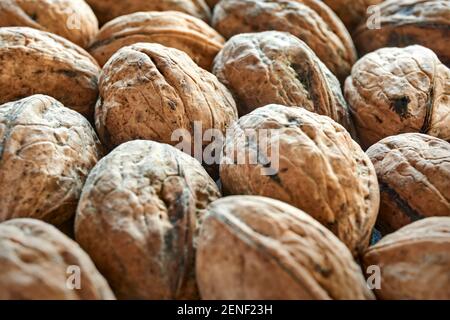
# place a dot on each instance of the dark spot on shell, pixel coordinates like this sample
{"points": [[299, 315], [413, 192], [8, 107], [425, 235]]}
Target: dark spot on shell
{"points": [[172, 105], [400, 106]]}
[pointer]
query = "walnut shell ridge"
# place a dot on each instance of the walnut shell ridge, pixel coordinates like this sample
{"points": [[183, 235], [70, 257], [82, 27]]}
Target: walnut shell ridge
{"points": [[413, 172], [147, 201], [169, 28], [414, 261], [106, 10], [48, 64], [399, 90], [71, 19], [309, 20], [148, 91], [276, 67], [318, 169], [46, 153], [261, 249], [408, 22], [36, 261]]}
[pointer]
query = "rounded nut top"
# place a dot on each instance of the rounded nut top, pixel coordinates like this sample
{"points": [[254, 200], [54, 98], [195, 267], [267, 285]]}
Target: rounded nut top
{"points": [[276, 67], [414, 173], [38, 262], [46, 153], [414, 261], [258, 248], [308, 161], [309, 20], [148, 91], [398, 90], [169, 28], [71, 19], [35, 61], [107, 10], [146, 200]]}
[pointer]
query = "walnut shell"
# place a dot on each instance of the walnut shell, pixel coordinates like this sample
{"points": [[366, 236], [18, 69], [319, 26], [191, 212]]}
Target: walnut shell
{"points": [[257, 248], [310, 20], [107, 10], [318, 167], [408, 22], [414, 172], [414, 261], [147, 91], [399, 90], [46, 152], [169, 28], [71, 19], [212, 3], [352, 12], [146, 200], [276, 67], [47, 64], [36, 261]]}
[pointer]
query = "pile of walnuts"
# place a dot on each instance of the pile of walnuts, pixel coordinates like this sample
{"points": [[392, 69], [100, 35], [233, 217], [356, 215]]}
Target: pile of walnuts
{"points": [[233, 149]]}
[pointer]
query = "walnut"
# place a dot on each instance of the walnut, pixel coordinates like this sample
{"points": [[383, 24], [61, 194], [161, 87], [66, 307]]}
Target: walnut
{"points": [[258, 248], [407, 22], [414, 261], [413, 171], [169, 28], [399, 90], [71, 19], [310, 20], [147, 91], [34, 61], [276, 67], [107, 10], [353, 12], [37, 260], [146, 200], [46, 152], [212, 3], [315, 166]]}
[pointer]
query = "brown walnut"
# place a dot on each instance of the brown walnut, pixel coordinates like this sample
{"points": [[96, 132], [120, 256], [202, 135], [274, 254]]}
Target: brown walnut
{"points": [[146, 200]]}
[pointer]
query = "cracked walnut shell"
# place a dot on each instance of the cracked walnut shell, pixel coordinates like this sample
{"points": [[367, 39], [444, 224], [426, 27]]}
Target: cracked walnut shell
{"points": [[71, 19], [146, 200], [276, 67], [407, 22], [315, 166], [399, 90], [414, 261], [37, 261], [107, 10], [414, 173], [169, 28], [46, 152], [261, 249], [148, 91], [34, 61], [309, 20]]}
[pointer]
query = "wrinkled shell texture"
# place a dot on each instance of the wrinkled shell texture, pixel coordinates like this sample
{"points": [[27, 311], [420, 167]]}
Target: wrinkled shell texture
{"points": [[321, 170], [414, 261], [259, 248], [107, 10], [414, 173], [46, 153], [169, 28], [352, 12], [399, 90], [146, 200], [34, 259], [310, 20], [407, 22], [71, 19], [34, 61], [276, 67], [147, 91]]}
